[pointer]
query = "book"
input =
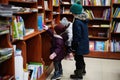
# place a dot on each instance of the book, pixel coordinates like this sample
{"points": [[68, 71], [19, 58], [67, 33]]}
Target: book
{"points": [[5, 57], [99, 45], [46, 5], [40, 26], [40, 68], [28, 31], [91, 46], [5, 51]]}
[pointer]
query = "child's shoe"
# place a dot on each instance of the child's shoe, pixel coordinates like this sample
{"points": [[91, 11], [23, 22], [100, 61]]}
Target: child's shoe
{"points": [[56, 76]]}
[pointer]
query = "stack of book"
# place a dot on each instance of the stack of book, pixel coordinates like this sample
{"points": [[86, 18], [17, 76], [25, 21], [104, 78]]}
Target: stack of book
{"points": [[5, 53]]}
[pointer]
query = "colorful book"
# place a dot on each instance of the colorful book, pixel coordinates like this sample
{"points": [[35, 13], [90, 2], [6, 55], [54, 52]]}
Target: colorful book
{"points": [[40, 27], [91, 46], [99, 45]]}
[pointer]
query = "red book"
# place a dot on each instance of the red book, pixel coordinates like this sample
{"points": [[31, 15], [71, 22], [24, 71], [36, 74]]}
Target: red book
{"points": [[91, 45]]}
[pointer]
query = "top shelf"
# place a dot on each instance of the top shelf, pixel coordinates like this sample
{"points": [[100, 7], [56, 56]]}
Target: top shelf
{"points": [[18, 1]]}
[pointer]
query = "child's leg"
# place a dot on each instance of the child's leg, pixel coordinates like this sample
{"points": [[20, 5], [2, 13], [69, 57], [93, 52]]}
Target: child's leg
{"points": [[60, 68], [57, 74]]}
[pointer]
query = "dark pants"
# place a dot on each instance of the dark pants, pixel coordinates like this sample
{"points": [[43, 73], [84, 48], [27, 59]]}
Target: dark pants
{"points": [[79, 61], [58, 67]]}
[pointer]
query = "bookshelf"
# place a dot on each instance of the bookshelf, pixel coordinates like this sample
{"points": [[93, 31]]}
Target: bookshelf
{"points": [[7, 66], [36, 45], [100, 15], [64, 9]]}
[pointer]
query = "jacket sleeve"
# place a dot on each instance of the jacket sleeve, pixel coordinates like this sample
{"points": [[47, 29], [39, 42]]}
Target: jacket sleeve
{"points": [[50, 32], [58, 47]]}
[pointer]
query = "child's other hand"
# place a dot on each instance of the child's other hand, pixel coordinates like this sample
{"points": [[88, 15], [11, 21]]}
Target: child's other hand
{"points": [[52, 56]]}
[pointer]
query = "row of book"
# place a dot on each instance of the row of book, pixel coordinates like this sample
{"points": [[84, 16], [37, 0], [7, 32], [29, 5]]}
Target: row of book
{"points": [[98, 45], [4, 27], [96, 2], [115, 46], [18, 27], [115, 27], [9, 10], [105, 16], [116, 1], [35, 70], [55, 2], [116, 12], [5, 53]]}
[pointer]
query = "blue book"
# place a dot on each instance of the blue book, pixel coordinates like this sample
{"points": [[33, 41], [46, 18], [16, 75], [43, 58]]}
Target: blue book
{"points": [[99, 45], [40, 27]]}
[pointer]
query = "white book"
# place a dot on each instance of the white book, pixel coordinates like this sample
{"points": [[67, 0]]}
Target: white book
{"points": [[46, 5], [118, 28]]}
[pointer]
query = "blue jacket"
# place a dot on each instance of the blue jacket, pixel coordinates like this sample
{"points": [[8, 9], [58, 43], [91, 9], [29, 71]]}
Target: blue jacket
{"points": [[80, 41]]}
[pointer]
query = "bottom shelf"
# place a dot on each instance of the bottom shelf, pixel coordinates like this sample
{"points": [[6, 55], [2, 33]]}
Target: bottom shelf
{"points": [[46, 72], [106, 55]]}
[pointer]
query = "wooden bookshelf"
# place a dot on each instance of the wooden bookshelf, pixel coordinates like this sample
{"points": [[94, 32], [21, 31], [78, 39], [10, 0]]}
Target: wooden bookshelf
{"points": [[35, 47], [95, 23]]}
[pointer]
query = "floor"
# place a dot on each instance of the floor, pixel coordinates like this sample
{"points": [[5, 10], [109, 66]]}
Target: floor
{"points": [[97, 69]]}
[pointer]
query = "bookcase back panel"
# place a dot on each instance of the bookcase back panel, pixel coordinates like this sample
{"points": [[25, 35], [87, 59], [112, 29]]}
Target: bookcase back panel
{"points": [[46, 40], [30, 20], [98, 22], [3, 1], [4, 41], [48, 15], [34, 49], [115, 36], [40, 2], [24, 4], [99, 32], [7, 67], [56, 9], [56, 19], [68, 16]]}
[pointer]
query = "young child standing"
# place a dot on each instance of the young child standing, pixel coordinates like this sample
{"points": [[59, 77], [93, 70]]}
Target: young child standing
{"points": [[68, 31], [57, 49], [80, 41]]}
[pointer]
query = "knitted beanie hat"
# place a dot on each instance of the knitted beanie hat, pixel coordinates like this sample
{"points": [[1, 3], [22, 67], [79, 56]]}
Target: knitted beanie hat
{"points": [[59, 29], [76, 8]]}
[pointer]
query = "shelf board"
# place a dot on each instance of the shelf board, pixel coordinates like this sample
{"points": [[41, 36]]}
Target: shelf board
{"points": [[48, 21], [19, 13], [99, 27], [106, 55], [100, 38], [31, 35], [97, 6], [19, 1], [56, 6]]}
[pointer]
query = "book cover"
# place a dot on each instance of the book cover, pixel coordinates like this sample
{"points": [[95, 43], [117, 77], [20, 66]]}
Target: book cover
{"points": [[40, 27], [91, 46], [99, 45]]}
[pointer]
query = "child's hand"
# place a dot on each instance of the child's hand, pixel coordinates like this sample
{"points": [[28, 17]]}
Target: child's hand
{"points": [[45, 27], [52, 56]]}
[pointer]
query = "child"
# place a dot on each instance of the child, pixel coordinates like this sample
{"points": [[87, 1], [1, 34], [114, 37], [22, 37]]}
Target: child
{"points": [[57, 49], [68, 26], [80, 41]]}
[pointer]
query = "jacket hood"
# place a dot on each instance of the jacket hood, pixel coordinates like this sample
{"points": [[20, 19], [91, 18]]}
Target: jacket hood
{"points": [[82, 16]]}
